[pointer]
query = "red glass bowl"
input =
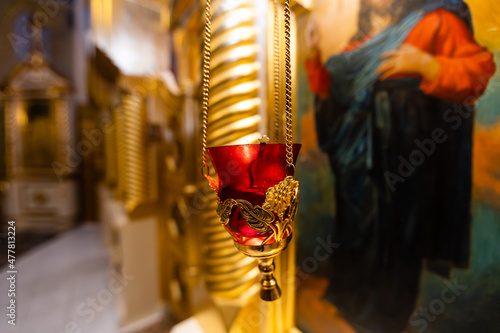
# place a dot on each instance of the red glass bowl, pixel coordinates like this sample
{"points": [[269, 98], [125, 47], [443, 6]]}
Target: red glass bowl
{"points": [[247, 172]]}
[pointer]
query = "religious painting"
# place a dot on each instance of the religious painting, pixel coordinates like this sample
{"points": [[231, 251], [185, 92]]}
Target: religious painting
{"points": [[400, 167]]}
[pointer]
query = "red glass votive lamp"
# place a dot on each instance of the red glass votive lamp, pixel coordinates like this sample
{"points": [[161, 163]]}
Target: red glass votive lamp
{"points": [[257, 202]]}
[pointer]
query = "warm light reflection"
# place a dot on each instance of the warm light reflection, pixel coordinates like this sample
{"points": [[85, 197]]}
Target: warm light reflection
{"points": [[132, 34], [237, 71], [240, 89], [247, 122], [21, 116], [251, 138], [234, 36]]}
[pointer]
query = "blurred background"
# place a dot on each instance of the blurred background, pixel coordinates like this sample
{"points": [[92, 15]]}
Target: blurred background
{"points": [[100, 155], [99, 163]]}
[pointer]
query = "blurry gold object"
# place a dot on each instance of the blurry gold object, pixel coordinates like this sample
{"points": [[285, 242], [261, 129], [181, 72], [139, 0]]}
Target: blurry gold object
{"points": [[178, 228], [39, 131], [131, 143], [63, 128], [111, 156], [41, 154]]}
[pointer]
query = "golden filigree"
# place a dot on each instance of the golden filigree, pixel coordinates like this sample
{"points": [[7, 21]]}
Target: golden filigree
{"points": [[257, 217], [280, 200], [224, 210], [281, 196]]}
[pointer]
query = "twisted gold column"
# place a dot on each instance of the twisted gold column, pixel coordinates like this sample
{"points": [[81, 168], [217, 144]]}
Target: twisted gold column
{"points": [[131, 144], [233, 118]]}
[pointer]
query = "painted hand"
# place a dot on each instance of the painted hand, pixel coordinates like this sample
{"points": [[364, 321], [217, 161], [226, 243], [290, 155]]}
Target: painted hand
{"points": [[408, 59]]}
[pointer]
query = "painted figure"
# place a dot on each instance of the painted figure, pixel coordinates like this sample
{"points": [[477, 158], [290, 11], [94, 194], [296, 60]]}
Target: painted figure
{"points": [[394, 113]]}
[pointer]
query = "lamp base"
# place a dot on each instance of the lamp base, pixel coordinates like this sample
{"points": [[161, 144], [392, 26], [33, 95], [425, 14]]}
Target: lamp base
{"points": [[269, 290], [264, 254]]}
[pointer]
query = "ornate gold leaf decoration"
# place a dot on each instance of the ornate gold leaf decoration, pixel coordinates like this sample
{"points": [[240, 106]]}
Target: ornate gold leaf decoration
{"points": [[257, 217], [280, 199], [281, 196], [224, 210]]}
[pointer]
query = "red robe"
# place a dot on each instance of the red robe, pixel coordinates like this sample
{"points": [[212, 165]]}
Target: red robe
{"points": [[465, 67]]}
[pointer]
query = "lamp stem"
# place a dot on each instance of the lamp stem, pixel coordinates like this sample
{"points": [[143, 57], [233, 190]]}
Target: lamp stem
{"points": [[270, 291]]}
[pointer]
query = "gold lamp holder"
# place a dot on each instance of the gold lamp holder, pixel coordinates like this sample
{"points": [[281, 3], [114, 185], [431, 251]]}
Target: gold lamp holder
{"points": [[273, 218], [264, 254]]}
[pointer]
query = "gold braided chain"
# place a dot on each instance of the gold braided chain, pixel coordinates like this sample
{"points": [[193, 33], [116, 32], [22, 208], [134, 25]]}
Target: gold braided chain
{"points": [[276, 68], [206, 82], [288, 81], [288, 90]]}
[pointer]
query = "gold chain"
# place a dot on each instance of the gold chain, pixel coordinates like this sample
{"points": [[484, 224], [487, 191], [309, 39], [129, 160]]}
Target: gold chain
{"points": [[288, 82], [206, 82], [277, 83], [288, 90]]}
